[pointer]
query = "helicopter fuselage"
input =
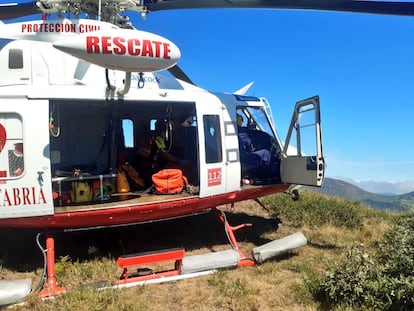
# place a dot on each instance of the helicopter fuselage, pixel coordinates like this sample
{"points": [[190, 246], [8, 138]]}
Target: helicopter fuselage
{"points": [[68, 124]]}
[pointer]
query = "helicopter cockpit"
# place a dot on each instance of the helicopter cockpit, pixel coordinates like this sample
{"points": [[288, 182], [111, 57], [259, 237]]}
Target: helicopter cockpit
{"points": [[259, 147]]}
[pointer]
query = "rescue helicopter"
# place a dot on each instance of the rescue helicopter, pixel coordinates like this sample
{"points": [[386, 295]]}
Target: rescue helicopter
{"points": [[94, 133]]}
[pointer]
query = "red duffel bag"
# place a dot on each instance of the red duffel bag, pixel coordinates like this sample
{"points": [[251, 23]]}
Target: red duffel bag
{"points": [[169, 181]]}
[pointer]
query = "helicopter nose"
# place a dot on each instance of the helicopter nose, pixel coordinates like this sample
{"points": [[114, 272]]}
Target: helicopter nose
{"points": [[122, 49]]}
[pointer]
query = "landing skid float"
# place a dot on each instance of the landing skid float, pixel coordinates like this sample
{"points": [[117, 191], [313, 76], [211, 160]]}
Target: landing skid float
{"points": [[137, 268]]}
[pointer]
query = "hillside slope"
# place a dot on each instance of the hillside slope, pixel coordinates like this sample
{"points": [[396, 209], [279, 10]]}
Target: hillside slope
{"points": [[298, 280], [345, 190]]}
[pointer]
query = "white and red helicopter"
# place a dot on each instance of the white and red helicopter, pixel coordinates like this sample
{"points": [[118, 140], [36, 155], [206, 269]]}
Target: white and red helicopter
{"points": [[83, 94]]}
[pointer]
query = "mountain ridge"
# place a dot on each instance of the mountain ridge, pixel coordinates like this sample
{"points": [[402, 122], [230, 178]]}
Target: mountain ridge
{"points": [[346, 190]]}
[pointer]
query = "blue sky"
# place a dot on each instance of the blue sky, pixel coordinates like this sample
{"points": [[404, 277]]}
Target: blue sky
{"points": [[361, 66]]}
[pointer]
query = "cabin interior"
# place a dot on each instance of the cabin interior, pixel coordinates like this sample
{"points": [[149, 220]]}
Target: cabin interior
{"points": [[93, 143], [89, 140]]}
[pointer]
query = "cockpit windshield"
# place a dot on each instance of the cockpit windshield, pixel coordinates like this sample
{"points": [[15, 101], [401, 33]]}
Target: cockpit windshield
{"points": [[259, 148], [254, 118]]}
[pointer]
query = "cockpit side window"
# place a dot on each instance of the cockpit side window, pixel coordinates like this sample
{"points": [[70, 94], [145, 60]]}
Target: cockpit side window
{"points": [[128, 132], [15, 59]]}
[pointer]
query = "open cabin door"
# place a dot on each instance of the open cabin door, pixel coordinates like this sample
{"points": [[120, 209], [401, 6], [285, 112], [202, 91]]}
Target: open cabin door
{"points": [[25, 187], [302, 160]]}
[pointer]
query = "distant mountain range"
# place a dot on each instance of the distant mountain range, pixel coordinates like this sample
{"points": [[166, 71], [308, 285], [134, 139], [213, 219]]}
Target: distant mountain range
{"points": [[345, 190]]}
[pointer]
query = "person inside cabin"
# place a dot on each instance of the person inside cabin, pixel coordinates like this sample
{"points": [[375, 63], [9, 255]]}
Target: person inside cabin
{"points": [[166, 148], [159, 151], [254, 157], [152, 154]]}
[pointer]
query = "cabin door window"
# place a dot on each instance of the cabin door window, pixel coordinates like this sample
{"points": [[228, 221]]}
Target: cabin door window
{"points": [[302, 159], [11, 146], [212, 136]]}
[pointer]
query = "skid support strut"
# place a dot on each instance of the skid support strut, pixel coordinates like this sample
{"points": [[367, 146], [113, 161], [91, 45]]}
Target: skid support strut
{"points": [[51, 287], [244, 261]]}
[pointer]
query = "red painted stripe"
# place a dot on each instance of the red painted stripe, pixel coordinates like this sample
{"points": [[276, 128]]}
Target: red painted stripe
{"points": [[139, 213]]}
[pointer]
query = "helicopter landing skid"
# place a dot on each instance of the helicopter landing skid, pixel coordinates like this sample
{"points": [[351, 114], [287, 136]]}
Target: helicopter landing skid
{"points": [[244, 261], [183, 266], [51, 287]]}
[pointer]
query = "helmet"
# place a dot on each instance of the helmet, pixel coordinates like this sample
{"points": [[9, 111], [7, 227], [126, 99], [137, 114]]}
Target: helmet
{"points": [[239, 120]]}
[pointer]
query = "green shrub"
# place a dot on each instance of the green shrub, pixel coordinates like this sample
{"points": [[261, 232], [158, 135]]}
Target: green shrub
{"points": [[314, 209], [381, 279], [396, 251]]}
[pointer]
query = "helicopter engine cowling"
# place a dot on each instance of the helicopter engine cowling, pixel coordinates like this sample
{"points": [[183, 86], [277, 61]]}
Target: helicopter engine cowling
{"points": [[122, 49]]}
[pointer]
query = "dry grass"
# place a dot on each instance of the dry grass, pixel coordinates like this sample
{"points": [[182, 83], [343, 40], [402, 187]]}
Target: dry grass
{"points": [[89, 257]]}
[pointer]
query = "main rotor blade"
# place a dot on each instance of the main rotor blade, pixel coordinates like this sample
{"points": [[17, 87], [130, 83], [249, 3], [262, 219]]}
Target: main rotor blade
{"points": [[377, 7], [178, 73], [19, 8], [10, 10]]}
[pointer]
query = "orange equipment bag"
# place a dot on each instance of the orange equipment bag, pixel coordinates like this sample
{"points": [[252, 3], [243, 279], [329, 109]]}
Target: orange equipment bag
{"points": [[169, 181]]}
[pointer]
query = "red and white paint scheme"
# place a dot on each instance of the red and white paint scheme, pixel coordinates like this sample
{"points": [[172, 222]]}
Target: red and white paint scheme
{"points": [[79, 120], [100, 43], [126, 49], [82, 100]]}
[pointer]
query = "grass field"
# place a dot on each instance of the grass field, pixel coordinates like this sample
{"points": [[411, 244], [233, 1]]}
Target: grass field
{"points": [[285, 283]]}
